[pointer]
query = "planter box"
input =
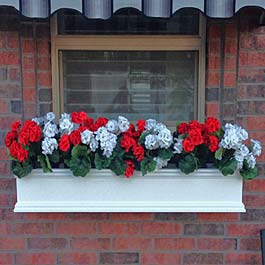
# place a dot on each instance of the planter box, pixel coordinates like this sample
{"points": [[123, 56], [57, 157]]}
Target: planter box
{"points": [[167, 190]]}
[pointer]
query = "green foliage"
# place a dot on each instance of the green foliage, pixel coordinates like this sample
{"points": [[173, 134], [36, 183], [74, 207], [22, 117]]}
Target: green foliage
{"points": [[80, 162], [147, 165], [118, 166], [189, 164], [21, 169], [45, 163], [247, 172], [166, 154], [55, 157], [227, 166], [219, 153], [101, 162]]}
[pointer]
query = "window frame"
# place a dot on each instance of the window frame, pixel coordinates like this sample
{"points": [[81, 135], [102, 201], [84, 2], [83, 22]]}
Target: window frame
{"points": [[126, 43]]}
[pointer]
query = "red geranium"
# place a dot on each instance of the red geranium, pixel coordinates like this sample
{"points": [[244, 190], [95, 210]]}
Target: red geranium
{"points": [[10, 137], [196, 136], [79, 117], [75, 137], [194, 125], [141, 125], [214, 143], [128, 142], [30, 132], [212, 125], [15, 125], [138, 152], [188, 145], [182, 128], [64, 143], [130, 168], [100, 122], [17, 151]]}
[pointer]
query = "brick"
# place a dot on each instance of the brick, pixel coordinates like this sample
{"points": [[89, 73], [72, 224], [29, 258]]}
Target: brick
{"points": [[230, 46], [213, 79], [5, 201], [118, 228], [16, 106], [9, 58], [214, 31], [7, 185], [229, 94], [230, 79], [28, 46], [174, 243], [43, 31], [214, 62], [44, 79], [204, 229], [254, 201], [250, 244], [44, 63], [28, 63], [47, 243], [256, 59], [14, 74], [214, 47], [255, 91], [256, 123], [247, 41], [45, 95], [251, 75], [12, 243], [203, 258], [243, 59], [156, 228], [3, 74], [6, 259], [88, 216], [212, 94], [32, 228], [218, 217], [69, 258], [255, 185], [253, 215], [175, 216], [212, 109], [5, 122], [161, 259], [5, 168], [75, 228], [12, 40], [29, 79], [243, 258], [2, 40], [90, 243], [216, 244], [26, 30], [131, 216], [43, 48], [230, 63], [30, 110], [4, 107], [46, 216], [231, 30], [119, 258], [244, 229], [132, 243], [4, 228], [260, 42], [35, 258], [44, 108]]}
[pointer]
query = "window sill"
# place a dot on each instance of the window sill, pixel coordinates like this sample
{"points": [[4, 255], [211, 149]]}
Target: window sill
{"points": [[167, 190]]}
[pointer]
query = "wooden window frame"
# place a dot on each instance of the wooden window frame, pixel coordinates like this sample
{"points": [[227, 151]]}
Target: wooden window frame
{"points": [[127, 43]]}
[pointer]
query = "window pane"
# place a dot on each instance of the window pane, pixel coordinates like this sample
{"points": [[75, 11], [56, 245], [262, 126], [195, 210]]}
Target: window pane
{"points": [[129, 21], [138, 84]]}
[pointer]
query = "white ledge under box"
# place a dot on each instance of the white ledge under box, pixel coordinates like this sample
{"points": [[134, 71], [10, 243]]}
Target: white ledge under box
{"points": [[166, 190]]}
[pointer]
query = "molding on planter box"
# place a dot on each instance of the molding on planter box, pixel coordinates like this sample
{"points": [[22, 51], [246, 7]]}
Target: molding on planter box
{"points": [[167, 190]]}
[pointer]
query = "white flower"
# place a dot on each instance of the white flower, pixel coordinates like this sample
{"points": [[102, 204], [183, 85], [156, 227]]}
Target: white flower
{"points": [[160, 163], [86, 137], [150, 124], [112, 126], [256, 147], [65, 124], [123, 124], [49, 145], [151, 142], [165, 138], [159, 127], [93, 144], [66, 116], [50, 116], [178, 146], [50, 129], [251, 160], [39, 121]]}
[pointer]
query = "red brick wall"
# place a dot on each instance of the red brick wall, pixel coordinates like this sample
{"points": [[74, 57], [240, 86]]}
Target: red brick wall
{"points": [[235, 92]]}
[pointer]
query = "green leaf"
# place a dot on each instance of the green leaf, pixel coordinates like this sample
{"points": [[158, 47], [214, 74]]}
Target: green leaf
{"points": [[55, 157], [219, 153], [118, 166], [147, 165], [43, 162], [229, 167], [189, 164], [142, 137], [79, 150], [165, 154], [21, 169], [101, 161], [247, 172]]}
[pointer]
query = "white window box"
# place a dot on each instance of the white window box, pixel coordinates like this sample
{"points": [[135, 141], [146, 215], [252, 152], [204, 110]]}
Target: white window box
{"points": [[167, 190]]}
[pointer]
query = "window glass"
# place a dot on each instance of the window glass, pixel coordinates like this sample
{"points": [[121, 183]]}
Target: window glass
{"points": [[138, 84]]}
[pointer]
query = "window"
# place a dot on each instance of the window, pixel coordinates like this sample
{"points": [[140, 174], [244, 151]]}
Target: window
{"points": [[131, 65]]}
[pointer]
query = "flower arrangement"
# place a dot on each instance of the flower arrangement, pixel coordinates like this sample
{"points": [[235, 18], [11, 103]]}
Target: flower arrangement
{"points": [[80, 143]]}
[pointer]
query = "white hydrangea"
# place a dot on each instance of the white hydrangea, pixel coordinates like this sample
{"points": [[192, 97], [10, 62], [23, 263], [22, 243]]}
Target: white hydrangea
{"points": [[150, 124], [165, 138], [86, 137], [65, 123], [160, 163], [39, 120], [241, 154], [178, 146], [256, 147], [50, 116], [123, 124], [151, 142], [107, 141], [49, 145], [159, 127], [50, 129], [251, 160], [112, 126], [93, 144]]}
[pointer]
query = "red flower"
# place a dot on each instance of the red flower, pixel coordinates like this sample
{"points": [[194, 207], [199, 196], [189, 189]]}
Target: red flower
{"points": [[128, 142], [30, 132], [212, 125], [88, 122], [182, 128], [15, 125], [81, 129], [100, 122], [10, 137], [17, 151], [130, 168], [131, 131], [194, 125], [75, 137], [64, 143], [141, 125], [196, 136], [138, 152], [79, 117], [188, 146], [214, 143]]}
